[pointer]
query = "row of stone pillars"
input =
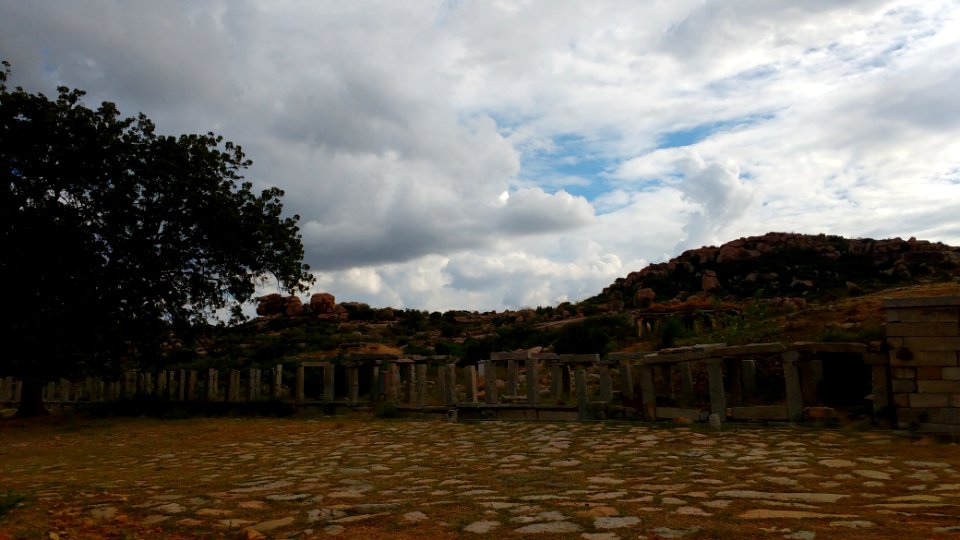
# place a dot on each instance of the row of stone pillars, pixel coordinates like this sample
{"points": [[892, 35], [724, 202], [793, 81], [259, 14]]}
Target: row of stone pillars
{"points": [[740, 384], [173, 385]]}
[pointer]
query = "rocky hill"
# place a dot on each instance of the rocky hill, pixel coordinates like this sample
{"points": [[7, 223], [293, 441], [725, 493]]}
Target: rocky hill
{"points": [[787, 265]]}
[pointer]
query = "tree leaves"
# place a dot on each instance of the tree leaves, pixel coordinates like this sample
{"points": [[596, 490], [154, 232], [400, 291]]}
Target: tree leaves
{"points": [[113, 237]]}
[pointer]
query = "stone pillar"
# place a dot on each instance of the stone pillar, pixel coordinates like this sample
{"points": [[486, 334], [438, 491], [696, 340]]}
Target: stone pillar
{"points": [[490, 382], [421, 397], [375, 381], [626, 381], [172, 384], [51, 391], [98, 390], [212, 384], [686, 384], [148, 383], [393, 378], [162, 383], [533, 381], [300, 393], [192, 385], [648, 392], [791, 378], [329, 378], [582, 410], [566, 384], [748, 375], [141, 384], [471, 385], [450, 376], [252, 388], [513, 375], [606, 384], [353, 383], [17, 391], [409, 381], [718, 395], [276, 383], [556, 380], [64, 390]]}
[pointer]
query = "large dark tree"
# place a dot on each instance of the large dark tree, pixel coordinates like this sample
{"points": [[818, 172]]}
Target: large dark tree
{"points": [[115, 240]]}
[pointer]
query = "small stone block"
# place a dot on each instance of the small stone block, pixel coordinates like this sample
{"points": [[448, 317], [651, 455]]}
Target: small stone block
{"points": [[929, 400], [946, 329], [938, 387], [903, 385], [904, 373], [944, 416], [950, 373], [930, 373], [913, 358]]}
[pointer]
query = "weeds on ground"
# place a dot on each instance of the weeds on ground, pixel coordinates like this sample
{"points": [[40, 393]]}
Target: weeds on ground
{"points": [[10, 500]]}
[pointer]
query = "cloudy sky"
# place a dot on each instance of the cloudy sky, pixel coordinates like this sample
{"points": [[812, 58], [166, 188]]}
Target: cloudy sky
{"points": [[492, 154]]}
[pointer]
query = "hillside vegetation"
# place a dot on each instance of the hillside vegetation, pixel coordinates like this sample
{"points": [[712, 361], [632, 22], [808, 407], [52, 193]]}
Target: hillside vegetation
{"points": [[775, 287]]}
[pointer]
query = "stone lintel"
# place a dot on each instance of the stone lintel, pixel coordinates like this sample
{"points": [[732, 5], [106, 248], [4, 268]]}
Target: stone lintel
{"points": [[751, 349], [513, 355], [673, 358], [579, 358], [315, 364], [830, 347]]}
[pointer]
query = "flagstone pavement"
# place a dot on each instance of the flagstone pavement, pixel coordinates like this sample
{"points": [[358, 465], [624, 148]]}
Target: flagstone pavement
{"points": [[299, 478]]}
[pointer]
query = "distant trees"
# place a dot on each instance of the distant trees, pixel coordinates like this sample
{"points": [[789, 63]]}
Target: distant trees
{"points": [[116, 241]]}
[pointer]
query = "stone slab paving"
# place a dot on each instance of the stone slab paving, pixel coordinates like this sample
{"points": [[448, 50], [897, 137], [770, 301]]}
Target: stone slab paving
{"points": [[403, 479]]}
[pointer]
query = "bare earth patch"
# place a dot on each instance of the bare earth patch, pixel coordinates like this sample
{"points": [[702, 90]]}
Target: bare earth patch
{"points": [[358, 478]]}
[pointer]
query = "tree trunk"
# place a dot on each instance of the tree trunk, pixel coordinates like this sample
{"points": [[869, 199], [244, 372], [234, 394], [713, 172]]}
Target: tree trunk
{"points": [[31, 399]]}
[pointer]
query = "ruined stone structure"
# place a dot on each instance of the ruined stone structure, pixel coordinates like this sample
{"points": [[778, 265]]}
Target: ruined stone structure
{"points": [[923, 339], [914, 378]]}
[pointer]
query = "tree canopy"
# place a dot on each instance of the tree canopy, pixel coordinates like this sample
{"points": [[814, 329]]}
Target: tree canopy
{"points": [[114, 239]]}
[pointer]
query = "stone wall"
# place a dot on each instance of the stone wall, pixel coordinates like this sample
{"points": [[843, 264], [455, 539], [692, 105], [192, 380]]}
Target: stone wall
{"points": [[923, 337]]}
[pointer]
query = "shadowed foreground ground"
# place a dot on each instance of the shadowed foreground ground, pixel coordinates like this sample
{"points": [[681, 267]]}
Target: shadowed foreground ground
{"points": [[352, 478]]}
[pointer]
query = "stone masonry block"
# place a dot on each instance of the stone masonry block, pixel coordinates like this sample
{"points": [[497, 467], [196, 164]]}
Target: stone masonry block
{"points": [[901, 399], [904, 373], [911, 358], [950, 373], [904, 385], [930, 373], [924, 315], [939, 428], [923, 329], [944, 415], [932, 343], [908, 416], [955, 400], [929, 400], [938, 387]]}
